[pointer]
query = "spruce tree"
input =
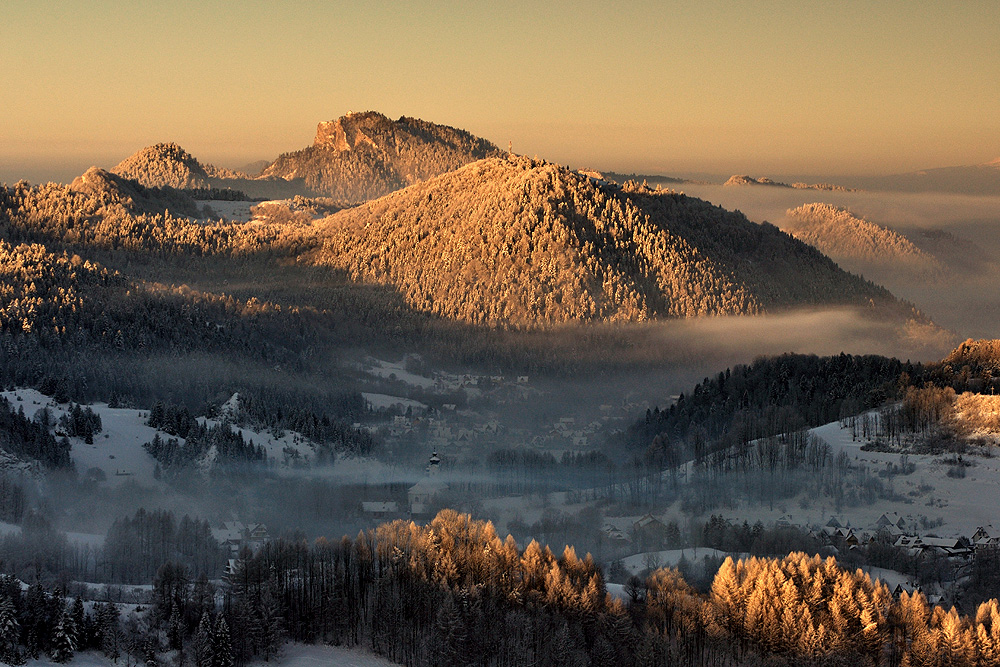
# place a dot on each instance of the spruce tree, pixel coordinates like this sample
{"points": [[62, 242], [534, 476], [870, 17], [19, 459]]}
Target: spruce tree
{"points": [[63, 643], [10, 629], [203, 654], [222, 645], [79, 623]]}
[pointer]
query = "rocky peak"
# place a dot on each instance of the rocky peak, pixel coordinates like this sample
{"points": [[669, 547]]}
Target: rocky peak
{"points": [[348, 131]]}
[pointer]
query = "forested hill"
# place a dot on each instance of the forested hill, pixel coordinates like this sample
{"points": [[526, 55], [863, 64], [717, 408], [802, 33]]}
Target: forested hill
{"points": [[163, 164], [362, 156], [110, 189], [519, 242], [859, 245]]}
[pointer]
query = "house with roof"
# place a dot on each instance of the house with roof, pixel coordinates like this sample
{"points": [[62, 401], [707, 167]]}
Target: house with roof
{"points": [[649, 531], [234, 535], [890, 519], [985, 537], [379, 508]]}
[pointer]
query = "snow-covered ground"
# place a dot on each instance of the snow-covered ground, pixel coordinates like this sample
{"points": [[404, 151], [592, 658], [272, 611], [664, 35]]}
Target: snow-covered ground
{"points": [[949, 506], [117, 450], [234, 211], [303, 655], [293, 655], [387, 369], [384, 401], [963, 504]]}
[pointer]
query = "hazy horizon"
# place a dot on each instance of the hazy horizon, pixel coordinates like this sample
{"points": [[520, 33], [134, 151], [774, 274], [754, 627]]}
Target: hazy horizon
{"points": [[777, 89]]}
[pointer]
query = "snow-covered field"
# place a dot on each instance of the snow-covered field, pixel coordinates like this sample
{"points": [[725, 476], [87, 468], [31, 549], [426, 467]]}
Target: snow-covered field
{"points": [[388, 370], [963, 504], [235, 211], [302, 655], [117, 450]]}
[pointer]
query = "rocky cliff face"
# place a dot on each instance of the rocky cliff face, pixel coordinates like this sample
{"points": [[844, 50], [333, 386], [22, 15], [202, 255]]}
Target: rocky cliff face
{"points": [[348, 132], [366, 155]]}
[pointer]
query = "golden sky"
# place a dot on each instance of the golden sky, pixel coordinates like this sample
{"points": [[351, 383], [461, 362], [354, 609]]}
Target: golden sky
{"points": [[727, 87]]}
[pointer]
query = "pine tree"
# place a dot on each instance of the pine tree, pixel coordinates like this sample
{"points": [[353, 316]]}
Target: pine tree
{"points": [[63, 643], [109, 632], [175, 632], [203, 654], [222, 645], [450, 635], [79, 623], [10, 629]]}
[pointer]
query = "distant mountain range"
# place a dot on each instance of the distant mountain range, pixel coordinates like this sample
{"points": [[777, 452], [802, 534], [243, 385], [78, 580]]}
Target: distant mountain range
{"points": [[514, 241], [357, 157], [978, 179], [743, 180]]}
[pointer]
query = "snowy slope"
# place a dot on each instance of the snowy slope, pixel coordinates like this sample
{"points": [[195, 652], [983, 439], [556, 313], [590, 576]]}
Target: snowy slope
{"points": [[383, 401], [636, 563], [117, 449], [963, 504]]}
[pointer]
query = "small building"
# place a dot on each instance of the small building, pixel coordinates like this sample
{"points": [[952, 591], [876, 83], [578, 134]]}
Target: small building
{"points": [[890, 519], [234, 535], [649, 531], [379, 508]]}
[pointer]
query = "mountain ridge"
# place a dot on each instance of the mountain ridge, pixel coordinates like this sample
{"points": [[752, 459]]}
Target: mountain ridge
{"points": [[356, 157], [366, 155]]}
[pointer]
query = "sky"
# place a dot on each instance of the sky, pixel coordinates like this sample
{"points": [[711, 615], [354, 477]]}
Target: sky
{"points": [[761, 87]]}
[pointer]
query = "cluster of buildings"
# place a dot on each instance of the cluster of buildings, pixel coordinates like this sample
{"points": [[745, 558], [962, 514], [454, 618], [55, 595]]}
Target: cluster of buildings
{"points": [[904, 536], [234, 536]]}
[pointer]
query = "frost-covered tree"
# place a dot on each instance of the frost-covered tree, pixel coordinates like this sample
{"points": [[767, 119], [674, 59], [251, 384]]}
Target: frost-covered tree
{"points": [[202, 650], [222, 645], [10, 629], [63, 643]]}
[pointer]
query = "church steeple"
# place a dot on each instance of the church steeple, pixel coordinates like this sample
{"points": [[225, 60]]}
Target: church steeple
{"points": [[433, 464]]}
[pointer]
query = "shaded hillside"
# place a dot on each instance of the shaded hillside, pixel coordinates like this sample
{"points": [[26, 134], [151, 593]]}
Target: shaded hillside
{"points": [[959, 254], [513, 241], [109, 188], [651, 179], [859, 245], [366, 155]]}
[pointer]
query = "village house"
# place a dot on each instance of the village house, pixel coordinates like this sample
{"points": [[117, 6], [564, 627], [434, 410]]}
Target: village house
{"points": [[379, 509], [234, 535]]}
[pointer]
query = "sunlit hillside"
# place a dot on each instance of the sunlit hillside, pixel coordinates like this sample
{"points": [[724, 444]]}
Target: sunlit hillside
{"points": [[858, 245], [522, 242]]}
